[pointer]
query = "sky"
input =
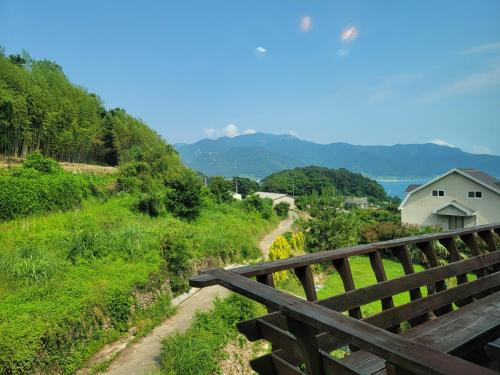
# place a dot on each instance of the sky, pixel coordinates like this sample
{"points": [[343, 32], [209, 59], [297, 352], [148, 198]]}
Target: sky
{"points": [[363, 72]]}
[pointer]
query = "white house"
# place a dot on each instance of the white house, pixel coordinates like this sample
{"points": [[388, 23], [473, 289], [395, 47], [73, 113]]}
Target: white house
{"points": [[277, 198], [457, 199]]}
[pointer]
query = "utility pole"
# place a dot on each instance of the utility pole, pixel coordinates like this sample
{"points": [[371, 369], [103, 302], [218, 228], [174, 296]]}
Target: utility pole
{"points": [[236, 187]]}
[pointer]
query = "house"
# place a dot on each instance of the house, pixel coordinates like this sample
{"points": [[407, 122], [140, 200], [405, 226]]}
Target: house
{"points": [[457, 199], [277, 198], [361, 202], [236, 196]]}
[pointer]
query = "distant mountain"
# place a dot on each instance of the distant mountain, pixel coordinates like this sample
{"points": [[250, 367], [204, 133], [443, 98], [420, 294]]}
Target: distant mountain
{"points": [[260, 154]]}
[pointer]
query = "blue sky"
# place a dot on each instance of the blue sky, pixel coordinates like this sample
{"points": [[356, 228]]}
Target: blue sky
{"points": [[363, 72]]}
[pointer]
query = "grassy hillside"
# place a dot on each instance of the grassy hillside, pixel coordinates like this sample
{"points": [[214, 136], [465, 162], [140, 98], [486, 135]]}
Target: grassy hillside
{"points": [[72, 281]]}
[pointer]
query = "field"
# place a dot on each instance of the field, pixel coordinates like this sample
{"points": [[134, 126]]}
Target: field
{"points": [[72, 281]]}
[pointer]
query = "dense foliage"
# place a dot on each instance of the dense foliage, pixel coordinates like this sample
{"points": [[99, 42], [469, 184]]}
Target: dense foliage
{"points": [[201, 349], [221, 189], [306, 180], [245, 186], [72, 281], [39, 186], [40, 109]]}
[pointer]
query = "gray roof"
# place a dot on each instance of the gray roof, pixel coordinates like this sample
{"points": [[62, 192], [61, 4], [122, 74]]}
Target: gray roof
{"points": [[411, 187], [356, 200], [483, 177], [462, 207]]}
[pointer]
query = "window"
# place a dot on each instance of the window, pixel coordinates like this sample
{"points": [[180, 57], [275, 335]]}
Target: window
{"points": [[438, 193], [475, 194]]}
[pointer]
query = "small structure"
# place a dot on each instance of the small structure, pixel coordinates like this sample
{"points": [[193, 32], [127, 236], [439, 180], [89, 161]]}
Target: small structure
{"points": [[459, 198], [451, 330], [361, 202], [277, 198], [236, 196]]}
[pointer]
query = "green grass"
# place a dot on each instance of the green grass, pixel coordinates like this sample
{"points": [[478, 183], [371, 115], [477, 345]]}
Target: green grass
{"points": [[67, 280]]}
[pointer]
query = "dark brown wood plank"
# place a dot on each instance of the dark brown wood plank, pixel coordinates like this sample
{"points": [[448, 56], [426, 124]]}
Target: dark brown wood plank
{"points": [[329, 255], [306, 338], [333, 366], [394, 348], [344, 269], [305, 276], [268, 280]]}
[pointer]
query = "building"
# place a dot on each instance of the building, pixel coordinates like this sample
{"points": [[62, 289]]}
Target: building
{"points": [[236, 196], [277, 198], [361, 202], [457, 199]]}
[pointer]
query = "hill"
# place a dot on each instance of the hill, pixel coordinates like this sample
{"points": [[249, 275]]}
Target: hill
{"points": [[262, 154], [305, 180], [40, 109]]}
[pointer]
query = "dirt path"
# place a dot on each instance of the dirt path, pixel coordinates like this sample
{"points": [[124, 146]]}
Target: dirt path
{"points": [[142, 356]]}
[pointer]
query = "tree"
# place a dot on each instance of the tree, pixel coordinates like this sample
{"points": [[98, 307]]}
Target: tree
{"points": [[282, 209], [245, 186], [183, 198], [220, 189], [280, 249]]}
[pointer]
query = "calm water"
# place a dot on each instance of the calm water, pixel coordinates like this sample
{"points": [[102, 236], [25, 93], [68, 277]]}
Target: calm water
{"points": [[398, 187]]}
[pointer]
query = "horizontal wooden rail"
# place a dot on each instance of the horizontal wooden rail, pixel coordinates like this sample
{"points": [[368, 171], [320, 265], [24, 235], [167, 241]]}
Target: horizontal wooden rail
{"points": [[396, 349], [205, 278]]}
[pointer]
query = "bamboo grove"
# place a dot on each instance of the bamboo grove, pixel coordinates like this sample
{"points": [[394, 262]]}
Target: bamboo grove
{"points": [[40, 109]]}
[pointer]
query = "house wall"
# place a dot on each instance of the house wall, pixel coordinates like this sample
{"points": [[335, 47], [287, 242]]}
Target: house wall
{"points": [[419, 206]]}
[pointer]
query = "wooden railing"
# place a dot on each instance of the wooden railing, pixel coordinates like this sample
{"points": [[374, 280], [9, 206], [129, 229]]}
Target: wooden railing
{"points": [[303, 332]]}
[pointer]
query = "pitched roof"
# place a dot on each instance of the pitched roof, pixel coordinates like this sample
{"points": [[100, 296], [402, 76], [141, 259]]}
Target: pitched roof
{"points": [[411, 187], [462, 207], [273, 196], [481, 176], [475, 175]]}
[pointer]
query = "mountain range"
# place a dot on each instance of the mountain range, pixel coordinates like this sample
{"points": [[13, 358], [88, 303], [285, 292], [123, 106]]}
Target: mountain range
{"points": [[258, 155]]}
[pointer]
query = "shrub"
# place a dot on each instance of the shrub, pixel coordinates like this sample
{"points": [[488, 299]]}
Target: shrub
{"points": [[37, 161], [151, 204], [282, 209], [220, 189], [31, 192], [178, 254], [255, 203], [280, 249], [86, 244], [184, 196], [298, 243]]}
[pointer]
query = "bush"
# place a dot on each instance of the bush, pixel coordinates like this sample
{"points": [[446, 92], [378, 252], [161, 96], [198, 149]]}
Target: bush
{"points": [[282, 209], [298, 243], [151, 204], [23, 193], [263, 206], [280, 249], [37, 161], [220, 189], [183, 198], [177, 253]]}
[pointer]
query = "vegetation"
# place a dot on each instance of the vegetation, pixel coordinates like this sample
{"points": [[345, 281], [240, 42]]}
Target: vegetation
{"points": [[200, 349], [245, 186], [306, 180], [72, 281], [40, 109], [282, 209], [221, 189]]}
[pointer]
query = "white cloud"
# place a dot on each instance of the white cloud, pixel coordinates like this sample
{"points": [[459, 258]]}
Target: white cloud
{"points": [[249, 131], [482, 48], [305, 23], [349, 34], [230, 130], [261, 50], [210, 132], [473, 83], [441, 142], [293, 133], [391, 86], [481, 149]]}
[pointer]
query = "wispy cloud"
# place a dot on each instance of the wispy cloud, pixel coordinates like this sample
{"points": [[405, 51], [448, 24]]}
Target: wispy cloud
{"points": [[343, 53], [441, 142], [391, 87], [305, 23], [261, 50], [293, 133], [230, 130], [249, 131], [210, 132], [482, 149], [488, 47], [471, 84], [349, 34]]}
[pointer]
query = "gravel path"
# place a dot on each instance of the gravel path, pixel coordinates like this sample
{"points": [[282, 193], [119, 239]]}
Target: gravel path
{"points": [[142, 356]]}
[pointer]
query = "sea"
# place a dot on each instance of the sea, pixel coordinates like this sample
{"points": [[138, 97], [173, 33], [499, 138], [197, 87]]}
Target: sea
{"points": [[397, 187]]}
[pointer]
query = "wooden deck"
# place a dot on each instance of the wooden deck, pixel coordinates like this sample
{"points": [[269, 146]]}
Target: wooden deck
{"points": [[449, 328]]}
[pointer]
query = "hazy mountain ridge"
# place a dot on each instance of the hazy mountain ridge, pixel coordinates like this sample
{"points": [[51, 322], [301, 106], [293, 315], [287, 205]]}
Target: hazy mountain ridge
{"points": [[261, 154]]}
